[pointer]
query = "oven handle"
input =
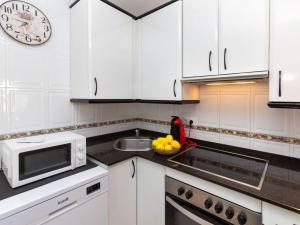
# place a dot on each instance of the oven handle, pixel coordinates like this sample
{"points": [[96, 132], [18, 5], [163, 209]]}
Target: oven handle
{"points": [[185, 212]]}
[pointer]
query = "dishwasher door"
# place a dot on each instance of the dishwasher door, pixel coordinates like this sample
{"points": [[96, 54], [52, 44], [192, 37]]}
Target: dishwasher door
{"points": [[93, 212]]}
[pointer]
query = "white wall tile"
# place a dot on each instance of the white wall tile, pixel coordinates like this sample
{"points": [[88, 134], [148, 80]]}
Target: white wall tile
{"points": [[237, 141], [61, 111], [208, 109], [57, 73], [3, 67], [86, 113], [26, 66], [26, 109], [267, 120], [3, 112], [235, 110], [295, 123], [295, 151], [208, 136], [270, 147]]}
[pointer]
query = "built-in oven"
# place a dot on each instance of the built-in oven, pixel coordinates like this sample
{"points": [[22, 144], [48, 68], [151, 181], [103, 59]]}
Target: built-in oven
{"points": [[187, 205]]}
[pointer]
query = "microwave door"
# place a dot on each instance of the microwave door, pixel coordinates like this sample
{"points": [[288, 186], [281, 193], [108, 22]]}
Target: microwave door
{"points": [[46, 160]]}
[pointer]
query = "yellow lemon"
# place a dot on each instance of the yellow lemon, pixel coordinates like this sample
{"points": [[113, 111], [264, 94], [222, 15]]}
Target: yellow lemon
{"points": [[154, 143], [168, 148], [164, 141], [169, 138], [160, 140], [175, 144], [160, 147]]}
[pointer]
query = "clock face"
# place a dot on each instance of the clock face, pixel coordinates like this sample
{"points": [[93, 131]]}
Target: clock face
{"points": [[24, 22]]}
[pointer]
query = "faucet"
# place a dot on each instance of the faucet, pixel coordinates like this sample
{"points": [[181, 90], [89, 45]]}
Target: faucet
{"points": [[137, 132]]}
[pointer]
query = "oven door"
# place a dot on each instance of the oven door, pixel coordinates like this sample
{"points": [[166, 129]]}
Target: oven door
{"points": [[179, 212]]}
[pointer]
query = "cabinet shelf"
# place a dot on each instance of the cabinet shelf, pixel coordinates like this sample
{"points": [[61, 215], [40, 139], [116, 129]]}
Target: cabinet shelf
{"points": [[106, 101]]}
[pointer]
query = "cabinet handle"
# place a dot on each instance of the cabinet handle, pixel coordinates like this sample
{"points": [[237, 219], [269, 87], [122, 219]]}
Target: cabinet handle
{"points": [[96, 86], [133, 165], [280, 78], [209, 60], [174, 88], [225, 56]]}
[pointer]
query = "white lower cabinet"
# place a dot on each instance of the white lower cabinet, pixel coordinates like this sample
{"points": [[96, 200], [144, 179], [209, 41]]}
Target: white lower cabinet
{"points": [[150, 193], [273, 215], [122, 193]]}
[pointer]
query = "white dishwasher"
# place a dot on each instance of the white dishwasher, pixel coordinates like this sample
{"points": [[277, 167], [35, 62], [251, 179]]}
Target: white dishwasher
{"points": [[77, 200]]}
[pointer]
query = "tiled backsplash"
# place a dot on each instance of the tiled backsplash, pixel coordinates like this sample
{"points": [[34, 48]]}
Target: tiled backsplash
{"points": [[239, 109]]}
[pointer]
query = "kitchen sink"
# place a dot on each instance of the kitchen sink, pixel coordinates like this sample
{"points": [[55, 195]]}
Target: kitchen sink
{"points": [[133, 144]]}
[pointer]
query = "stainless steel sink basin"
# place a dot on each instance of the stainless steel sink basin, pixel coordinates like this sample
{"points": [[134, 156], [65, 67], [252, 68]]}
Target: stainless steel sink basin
{"points": [[133, 144]]}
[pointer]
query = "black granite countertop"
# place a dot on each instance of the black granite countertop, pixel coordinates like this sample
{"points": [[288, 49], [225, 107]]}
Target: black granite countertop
{"points": [[281, 186]]}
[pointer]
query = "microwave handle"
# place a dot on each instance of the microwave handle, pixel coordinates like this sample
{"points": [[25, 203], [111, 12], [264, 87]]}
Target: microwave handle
{"points": [[185, 212], [59, 212]]}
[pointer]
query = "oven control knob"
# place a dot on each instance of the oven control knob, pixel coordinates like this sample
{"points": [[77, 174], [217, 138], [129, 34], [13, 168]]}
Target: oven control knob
{"points": [[189, 194], [219, 207], [180, 191], [80, 148], [242, 218], [208, 203], [229, 212]]}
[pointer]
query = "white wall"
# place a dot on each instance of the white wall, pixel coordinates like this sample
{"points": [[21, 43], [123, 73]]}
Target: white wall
{"points": [[35, 81]]}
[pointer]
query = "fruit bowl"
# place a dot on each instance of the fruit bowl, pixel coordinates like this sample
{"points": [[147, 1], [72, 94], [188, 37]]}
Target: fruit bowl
{"points": [[166, 145], [166, 152]]}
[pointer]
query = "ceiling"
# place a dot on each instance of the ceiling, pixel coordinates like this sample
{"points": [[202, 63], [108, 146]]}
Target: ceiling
{"points": [[138, 7]]}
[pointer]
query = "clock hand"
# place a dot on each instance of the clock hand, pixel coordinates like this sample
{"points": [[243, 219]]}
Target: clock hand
{"points": [[23, 23]]}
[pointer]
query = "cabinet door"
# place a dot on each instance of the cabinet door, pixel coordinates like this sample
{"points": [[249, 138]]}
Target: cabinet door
{"points": [[122, 193], [111, 37], [284, 51], [200, 38], [150, 193], [244, 36], [273, 215], [161, 58]]}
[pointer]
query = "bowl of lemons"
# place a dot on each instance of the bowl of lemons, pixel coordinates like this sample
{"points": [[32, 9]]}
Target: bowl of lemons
{"points": [[166, 145]]}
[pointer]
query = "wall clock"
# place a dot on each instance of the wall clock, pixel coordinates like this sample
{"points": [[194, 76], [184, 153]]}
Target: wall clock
{"points": [[24, 22]]}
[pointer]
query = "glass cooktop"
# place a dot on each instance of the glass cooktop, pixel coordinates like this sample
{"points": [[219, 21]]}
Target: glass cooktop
{"points": [[245, 170]]}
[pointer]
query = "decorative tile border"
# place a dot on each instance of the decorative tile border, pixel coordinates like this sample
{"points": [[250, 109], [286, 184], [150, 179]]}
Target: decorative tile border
{"points": [[266, 137], [62, 129]]}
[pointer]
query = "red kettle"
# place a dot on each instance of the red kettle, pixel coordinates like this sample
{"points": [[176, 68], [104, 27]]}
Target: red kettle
{"points": [[177, 130]]}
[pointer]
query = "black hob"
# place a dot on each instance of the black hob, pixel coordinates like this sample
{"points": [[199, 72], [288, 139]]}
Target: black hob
{"points": [[245, 170]]}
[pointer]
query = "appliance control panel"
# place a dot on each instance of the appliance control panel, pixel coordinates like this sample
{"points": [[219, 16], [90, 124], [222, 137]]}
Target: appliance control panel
{"points": [[80, 152], [221, 208]]}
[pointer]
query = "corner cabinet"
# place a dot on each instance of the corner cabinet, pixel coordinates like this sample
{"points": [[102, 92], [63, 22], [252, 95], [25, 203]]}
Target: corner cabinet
{"points": [[150, 193], [122, 193], [161, 56], [200, 38], [284, 53], [225, 38], [273, 215], [101, 52]]}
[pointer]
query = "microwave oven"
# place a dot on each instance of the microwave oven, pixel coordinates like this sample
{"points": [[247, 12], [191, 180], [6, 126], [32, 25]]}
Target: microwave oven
{"points": [[30, 159]]}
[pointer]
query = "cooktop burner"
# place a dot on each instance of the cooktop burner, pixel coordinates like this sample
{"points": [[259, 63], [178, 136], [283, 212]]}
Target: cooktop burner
{"points": [[245, 170]]}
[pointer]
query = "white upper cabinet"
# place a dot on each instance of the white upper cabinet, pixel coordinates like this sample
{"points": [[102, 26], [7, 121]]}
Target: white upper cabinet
{"points": [[200, 38], [284, 51], [101, 52], [161, 58], [243, 36]]}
